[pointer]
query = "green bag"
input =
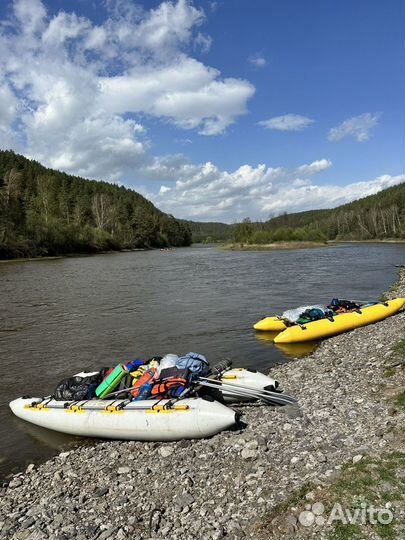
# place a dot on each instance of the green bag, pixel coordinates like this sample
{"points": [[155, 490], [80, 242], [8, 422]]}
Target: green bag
{"points": [[110, 383]]}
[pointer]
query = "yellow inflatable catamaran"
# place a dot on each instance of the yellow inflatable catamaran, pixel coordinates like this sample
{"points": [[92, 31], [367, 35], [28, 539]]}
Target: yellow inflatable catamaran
{"points": [[270, 324], [329, 327]]}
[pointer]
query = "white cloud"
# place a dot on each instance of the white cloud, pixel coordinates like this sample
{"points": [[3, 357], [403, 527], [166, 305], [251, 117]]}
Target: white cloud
{"points": [[77, 94], [63, 27], [164, 28], [188, 93], [203, 42], [30, 14], [100, 147], [358, 127], [81, 89], [8, 106], [258, 60], [96, 38], [207, 193], [8, 113], [287, 122], [314, 167], [312, 196]]}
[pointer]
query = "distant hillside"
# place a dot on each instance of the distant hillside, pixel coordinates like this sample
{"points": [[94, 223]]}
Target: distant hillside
{"points": [[376, 217], [210, 232], [47, 212]]}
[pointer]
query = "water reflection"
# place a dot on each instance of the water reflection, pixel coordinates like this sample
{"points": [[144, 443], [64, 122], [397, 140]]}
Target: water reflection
{"points": [[267, 337], [292, 350], [49, 438]]}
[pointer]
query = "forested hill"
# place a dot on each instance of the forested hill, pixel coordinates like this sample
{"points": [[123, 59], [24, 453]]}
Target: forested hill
{"points": [[376, 217], [47, 212], [380, 216], [210, 231]]}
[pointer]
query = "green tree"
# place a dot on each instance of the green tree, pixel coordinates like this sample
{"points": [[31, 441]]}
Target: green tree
{"points": [[243, 231]]}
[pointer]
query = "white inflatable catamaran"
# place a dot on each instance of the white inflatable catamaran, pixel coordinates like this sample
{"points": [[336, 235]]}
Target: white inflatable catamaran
{"points": [[185, 417], [145, 420]]}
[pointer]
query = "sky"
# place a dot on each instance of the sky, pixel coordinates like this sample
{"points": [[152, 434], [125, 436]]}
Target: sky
{"points": [[214, 110]]}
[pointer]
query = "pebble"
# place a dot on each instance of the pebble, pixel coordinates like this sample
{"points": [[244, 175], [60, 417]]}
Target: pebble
{"points": [[249, 453], [166, 451]]}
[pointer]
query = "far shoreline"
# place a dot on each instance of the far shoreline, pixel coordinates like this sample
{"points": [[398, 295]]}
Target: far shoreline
{"points": [[272, 246], [226, 246], [240, 246]]}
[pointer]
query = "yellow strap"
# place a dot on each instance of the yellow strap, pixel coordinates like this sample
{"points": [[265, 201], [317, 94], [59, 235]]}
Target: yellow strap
{"points": [[113, 409], [75, 409], [159, 409], [37, 407]]}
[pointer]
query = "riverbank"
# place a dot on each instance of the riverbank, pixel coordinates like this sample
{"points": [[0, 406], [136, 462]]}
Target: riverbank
{"points": [[274, 245], [371, 241], [75, 255], [254, 482]]}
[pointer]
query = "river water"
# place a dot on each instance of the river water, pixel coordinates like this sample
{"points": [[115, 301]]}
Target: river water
{"points": [[61, 316]]}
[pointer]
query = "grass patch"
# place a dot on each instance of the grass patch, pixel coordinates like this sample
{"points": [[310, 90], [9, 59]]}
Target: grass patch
{"points": [[361, 489], [371, 481], [296, 499], [389, 371], [274, 522], [387, 296], [399, 399], [396, 358], [346, 532], [399, 348]]}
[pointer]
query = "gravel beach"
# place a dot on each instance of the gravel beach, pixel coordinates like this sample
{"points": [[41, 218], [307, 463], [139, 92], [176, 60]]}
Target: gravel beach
{"points": [[253, 482]]}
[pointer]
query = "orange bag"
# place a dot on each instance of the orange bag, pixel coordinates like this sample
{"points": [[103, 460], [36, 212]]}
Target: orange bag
{"points": [[146, 378]]}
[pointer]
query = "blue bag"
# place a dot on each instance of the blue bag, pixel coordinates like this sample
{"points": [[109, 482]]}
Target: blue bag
{"points": [[196, 363], [134, 365]]}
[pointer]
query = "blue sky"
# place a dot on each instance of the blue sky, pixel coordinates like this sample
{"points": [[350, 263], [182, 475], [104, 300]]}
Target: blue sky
{"points": [[213, 110]]}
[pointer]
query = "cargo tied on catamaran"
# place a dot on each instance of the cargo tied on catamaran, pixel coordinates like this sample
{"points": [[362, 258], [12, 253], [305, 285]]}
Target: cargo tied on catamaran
{"points": [[162, 399], [310, 323]]}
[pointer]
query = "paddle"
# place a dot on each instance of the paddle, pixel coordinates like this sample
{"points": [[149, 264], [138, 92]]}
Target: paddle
{"points": [[248, 392]]}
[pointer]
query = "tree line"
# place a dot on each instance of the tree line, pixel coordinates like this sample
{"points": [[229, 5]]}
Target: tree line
{"points": [[376, 217], [47, 212], [210, 232]]}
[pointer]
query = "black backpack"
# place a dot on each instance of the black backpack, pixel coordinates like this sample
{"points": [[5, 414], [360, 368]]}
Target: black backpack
{"points": [[78, 388], [345, 304]]}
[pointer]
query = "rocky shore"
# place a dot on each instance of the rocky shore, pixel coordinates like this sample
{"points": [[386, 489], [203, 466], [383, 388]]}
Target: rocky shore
{"points": [[254, 482]]}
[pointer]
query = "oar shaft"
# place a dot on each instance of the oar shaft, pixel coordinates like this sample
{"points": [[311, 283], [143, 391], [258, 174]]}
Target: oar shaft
{"points": [[233, 391], [278, 399], [251, 389], [260, 394]]}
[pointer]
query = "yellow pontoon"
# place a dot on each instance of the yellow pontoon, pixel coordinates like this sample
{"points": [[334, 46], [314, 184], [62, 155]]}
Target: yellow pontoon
{"points": [[340, 323]]}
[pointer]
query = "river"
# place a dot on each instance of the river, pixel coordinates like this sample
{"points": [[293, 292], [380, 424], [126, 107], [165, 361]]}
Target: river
{"points": [[61, 316]]}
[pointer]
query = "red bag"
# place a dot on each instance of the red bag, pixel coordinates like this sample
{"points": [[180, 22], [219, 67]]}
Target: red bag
{"points": [[147, 377]]}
